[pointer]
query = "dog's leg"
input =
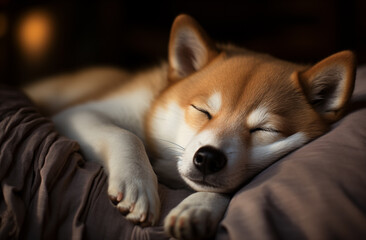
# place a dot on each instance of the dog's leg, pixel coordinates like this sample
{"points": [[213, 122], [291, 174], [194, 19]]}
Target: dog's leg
{"points": [[132, 182], [197, 216]]}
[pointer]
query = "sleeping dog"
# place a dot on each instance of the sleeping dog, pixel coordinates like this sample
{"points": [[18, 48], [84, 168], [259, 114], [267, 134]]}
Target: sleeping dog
{"points": [[209, 118]]}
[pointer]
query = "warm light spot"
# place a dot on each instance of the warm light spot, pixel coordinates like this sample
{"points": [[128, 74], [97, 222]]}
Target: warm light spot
{"points": [[35, 33], [3, 25]]}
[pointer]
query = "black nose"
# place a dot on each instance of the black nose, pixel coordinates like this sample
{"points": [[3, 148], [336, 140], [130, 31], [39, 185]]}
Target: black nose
{"points": [[209, 160]]}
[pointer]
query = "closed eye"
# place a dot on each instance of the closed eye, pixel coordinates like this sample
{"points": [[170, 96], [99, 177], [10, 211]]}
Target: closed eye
{"points": [[253, 130], [208, 115]]}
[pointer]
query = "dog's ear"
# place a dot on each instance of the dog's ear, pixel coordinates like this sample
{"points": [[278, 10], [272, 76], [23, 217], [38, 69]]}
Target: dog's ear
{"points": [[328, 85], [190, 49]]}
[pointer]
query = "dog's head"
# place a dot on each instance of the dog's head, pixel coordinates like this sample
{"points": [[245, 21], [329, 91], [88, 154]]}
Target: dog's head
{"points": [[229, 112]]}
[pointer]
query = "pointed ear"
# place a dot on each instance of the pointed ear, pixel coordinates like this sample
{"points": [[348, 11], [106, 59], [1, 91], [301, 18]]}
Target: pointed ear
{"points": [[190, 49], [328, 85]]}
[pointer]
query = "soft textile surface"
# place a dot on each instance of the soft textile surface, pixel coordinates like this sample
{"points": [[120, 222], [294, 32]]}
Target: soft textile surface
{"points": [[47, 190]]}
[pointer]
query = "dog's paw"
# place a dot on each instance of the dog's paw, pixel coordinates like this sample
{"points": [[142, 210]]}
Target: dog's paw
{"points": [[137, 198], [191, 221]]}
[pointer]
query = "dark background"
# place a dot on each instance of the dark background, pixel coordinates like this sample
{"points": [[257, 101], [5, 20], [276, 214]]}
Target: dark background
{"points": [[133, 34]]}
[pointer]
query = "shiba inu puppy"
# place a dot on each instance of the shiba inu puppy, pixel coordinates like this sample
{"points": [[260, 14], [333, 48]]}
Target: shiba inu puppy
{"points": [[210, 118]]}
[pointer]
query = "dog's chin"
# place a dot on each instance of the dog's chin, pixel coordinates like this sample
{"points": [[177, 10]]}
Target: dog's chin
{"points": [[201, 185]]}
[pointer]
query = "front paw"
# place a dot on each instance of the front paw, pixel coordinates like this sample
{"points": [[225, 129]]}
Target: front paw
{"points": [[191, 221], [137, 198]]}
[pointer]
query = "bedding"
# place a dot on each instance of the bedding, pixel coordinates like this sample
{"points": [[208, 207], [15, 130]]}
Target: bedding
{"points": [[49, 191]]}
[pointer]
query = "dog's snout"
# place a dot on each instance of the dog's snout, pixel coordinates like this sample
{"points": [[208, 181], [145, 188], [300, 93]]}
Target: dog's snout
{"points": [[209, 160]]}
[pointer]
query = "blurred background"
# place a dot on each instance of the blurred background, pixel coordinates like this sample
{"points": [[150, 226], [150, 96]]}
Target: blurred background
{"points": [[42, 38]]}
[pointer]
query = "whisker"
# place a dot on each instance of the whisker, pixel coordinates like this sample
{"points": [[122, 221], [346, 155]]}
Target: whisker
{"points": [[178, 150], [172, 148], [173, 143]]}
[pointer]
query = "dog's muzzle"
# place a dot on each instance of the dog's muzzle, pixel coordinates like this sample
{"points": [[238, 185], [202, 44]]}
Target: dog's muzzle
{"points": [[209, 160]]}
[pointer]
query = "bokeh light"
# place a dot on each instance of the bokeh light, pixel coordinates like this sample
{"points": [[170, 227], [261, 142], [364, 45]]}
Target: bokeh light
{"points": [[35, 33]]}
